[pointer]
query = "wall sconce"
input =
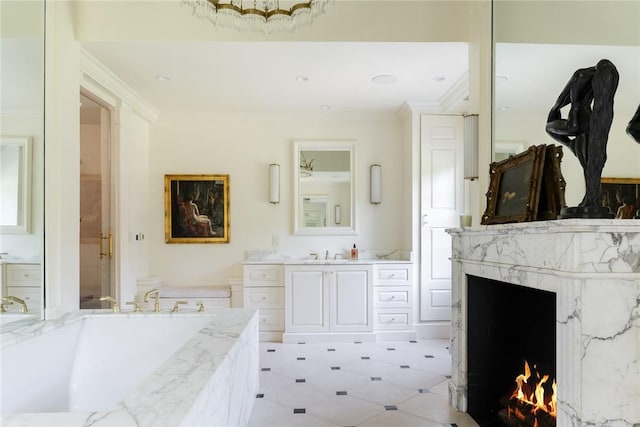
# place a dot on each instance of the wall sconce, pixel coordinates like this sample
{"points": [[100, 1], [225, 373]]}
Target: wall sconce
{"points": [[376, 183], [470, 153], [274, 183], [338, 214]]}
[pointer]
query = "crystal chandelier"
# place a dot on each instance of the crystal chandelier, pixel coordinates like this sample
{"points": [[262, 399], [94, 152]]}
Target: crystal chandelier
{"points": [[266, 16]]}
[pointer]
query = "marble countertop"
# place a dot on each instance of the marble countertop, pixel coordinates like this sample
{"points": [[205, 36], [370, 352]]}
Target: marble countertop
{"points": [[305, 257]]}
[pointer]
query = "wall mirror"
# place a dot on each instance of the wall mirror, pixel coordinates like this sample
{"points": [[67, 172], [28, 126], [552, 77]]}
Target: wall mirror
{"points": [[537, 47], [22, 74], [324, 188], [15, 184]]}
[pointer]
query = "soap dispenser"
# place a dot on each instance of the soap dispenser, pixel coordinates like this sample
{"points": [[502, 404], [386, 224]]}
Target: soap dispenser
{"points": [[354, 252]]}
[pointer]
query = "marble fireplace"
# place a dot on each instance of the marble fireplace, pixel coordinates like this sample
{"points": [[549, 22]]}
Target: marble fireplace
{"points": [[592, 269]]}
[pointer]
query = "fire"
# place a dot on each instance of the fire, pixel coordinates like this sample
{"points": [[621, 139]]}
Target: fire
{"points": [[534, 393]]}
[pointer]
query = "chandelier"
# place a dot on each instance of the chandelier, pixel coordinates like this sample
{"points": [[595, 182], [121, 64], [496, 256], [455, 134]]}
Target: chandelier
{"points": [[266, 16]]}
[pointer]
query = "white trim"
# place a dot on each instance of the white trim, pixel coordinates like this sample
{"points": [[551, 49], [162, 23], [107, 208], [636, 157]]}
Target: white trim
{"points": [[94, 72], [433, 330]]}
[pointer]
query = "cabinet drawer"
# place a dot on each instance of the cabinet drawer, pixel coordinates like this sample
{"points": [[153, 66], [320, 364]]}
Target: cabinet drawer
{"points": [[393, 319], [263, 275], [264, 297], [393, 275], [392, 296], [23, 275], [271, 320], [31, 296]]}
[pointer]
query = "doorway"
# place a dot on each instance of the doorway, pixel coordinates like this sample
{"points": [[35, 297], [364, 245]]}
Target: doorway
{"points": [[96, 231]]}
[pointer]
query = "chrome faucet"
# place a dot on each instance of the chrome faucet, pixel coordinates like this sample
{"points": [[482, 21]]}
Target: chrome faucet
{"points": [[314, 255], [326, 254], [338, 255], [114, 303], [11, 299], [176, 306], [156, 305]]}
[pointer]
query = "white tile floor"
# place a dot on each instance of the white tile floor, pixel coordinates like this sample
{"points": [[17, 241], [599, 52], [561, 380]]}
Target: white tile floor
{"points": [[392, 383]]}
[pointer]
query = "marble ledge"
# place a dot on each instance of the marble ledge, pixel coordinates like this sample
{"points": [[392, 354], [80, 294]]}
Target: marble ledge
{"points": [[574, 225], [365, 256]]}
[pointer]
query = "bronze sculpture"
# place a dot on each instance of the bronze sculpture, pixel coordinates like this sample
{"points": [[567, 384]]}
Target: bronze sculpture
{"points": [[585, 131]]}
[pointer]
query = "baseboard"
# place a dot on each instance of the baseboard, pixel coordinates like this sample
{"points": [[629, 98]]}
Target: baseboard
{"points": [[433, 330], [327, 337], [395, 335]]}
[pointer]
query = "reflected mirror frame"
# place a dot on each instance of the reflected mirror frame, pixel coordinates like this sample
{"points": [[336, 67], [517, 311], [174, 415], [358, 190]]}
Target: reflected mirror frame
{"points": [[23, 202], [323, 145]]}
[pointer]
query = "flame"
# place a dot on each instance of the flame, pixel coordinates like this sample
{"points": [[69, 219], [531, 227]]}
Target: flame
{"points": [[534, 394]]}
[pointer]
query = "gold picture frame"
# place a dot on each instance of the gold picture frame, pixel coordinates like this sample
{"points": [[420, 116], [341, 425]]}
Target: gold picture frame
{"points": [[614, 193], [196, 208], [514, 187]]}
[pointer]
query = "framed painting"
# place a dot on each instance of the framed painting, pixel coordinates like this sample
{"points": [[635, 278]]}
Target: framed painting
{"points": [[514, 187], [552, 198], [621, 196], [196, 208]]}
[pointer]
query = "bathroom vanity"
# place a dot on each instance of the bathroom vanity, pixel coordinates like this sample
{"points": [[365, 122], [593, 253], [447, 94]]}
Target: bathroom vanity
{"points": [[22, 280], [303, 300]]}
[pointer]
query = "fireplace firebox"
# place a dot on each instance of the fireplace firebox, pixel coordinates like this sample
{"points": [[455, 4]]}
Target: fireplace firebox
{"points": [[508, 325]]}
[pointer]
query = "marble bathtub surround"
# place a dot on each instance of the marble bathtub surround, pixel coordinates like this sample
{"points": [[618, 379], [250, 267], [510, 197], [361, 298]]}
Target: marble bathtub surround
{"points": [[593, 267], [212, 378]]}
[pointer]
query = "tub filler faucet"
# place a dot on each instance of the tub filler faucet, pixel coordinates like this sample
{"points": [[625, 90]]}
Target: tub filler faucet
{"points": [[114, 303], [156, 305], [176, 306], [11, 299]]}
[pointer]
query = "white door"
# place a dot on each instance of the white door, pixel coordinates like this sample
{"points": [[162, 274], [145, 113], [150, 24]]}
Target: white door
{"points": [[442, 186], [350, 300]]}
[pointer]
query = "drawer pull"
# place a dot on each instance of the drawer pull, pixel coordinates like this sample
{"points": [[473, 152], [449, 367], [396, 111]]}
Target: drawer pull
{"points": [[264, 298]]}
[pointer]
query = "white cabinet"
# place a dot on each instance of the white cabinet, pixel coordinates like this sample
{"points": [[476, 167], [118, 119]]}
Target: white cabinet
{"points": [[328, 298], [393, 297], [23, 281], [264, 290]]}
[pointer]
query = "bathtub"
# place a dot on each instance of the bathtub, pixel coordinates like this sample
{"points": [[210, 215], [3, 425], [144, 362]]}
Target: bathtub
{"points": [[132, 369]]}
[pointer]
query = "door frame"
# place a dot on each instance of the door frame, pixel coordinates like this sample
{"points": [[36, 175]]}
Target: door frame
{"points": [[109, 102]]}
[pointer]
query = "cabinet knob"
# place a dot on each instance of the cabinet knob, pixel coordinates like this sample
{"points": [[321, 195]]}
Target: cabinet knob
{"points": [[393, 296], [263, 320], [264, 298]]}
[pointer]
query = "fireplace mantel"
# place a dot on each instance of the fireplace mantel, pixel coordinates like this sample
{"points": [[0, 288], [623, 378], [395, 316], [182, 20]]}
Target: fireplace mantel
{"points": [[593, 267]]}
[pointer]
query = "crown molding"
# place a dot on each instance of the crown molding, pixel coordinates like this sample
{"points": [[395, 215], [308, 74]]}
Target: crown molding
{"points": [[457, 93], [93, 70]]}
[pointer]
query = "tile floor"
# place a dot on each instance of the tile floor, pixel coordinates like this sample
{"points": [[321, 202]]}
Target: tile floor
{"points": [[381, 384]]}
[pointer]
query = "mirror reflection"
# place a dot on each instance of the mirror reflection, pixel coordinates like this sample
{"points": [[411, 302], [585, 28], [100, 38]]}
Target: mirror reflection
{"points": [[536, 52], [324, 188], [21, 160], [15, 184]]}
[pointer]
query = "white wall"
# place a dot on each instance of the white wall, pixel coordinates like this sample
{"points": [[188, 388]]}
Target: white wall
{"points": [[243, 146]]}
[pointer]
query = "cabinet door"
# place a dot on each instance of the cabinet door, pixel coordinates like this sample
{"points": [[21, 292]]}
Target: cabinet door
{"points": [[306, 301], [350, 300]]}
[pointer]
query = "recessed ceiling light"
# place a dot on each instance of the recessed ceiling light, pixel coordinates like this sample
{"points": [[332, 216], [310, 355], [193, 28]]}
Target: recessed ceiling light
{"points": [[439, 78], [302, 78], [325, 107], [503, 108], [384, 79], [501, 79], [163, 78]]}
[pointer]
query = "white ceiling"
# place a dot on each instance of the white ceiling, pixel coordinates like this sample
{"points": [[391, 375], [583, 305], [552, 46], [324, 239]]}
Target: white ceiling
{"points": [[262, 76]]}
